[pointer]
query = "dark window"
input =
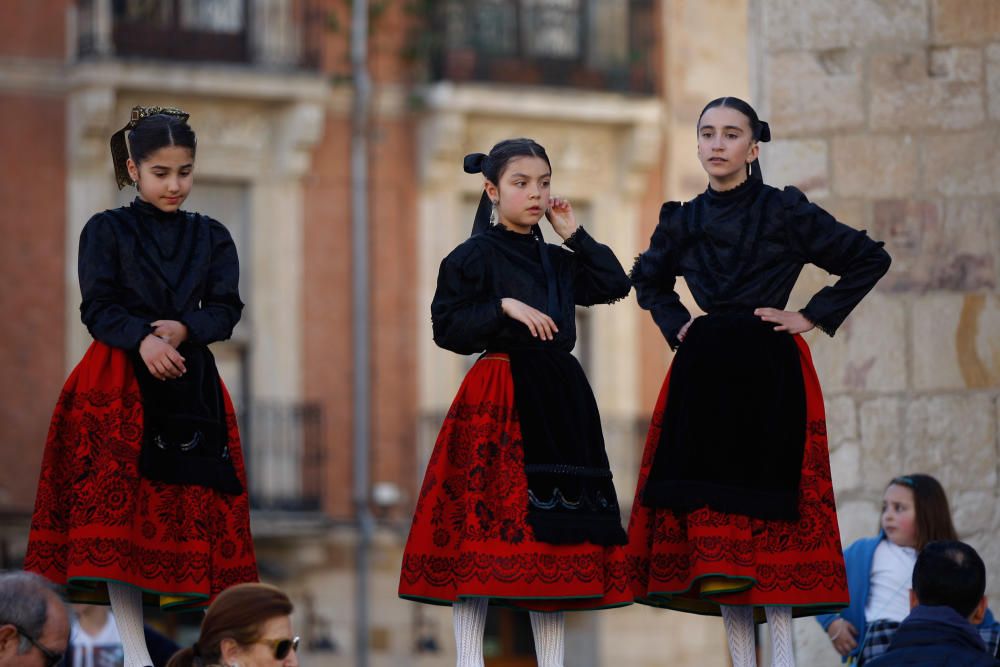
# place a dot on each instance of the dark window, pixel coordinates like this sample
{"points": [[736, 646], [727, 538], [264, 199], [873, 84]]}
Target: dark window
{"points": [[181, 29], [597, 44], [551, 28]]}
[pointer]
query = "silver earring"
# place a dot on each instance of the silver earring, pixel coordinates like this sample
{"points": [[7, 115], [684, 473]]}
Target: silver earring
{"points": [[493, 213]]}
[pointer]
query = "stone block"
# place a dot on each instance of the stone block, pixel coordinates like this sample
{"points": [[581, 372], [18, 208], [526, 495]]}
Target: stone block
{"points": [[811, 280], [799, 163], [840, 410], [810, 92], [955, 341], [993, 80], [988, 547], [964, 21], [875, 166], [858, 518], [967, 244], [812, 646], [938, 245], [866, 354], [960, 164], [940, 88], [881, 444], [845, 466], [952, 437], [783, 24], [852, 212], [791, 24], [972, 511]]}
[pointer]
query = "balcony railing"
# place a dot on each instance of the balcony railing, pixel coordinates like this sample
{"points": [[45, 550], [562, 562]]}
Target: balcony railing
{"points": [[285, 33], [591, 44], [283, 450]]}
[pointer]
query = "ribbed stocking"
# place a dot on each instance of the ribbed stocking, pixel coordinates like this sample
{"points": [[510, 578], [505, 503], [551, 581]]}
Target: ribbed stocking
{"points": [[470, 623], [780, 621], [739, 633], [126, 605], [550, 637]]}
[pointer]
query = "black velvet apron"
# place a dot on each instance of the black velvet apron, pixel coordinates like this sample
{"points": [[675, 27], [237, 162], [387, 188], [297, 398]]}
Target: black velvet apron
{"points": [[734, 426]]}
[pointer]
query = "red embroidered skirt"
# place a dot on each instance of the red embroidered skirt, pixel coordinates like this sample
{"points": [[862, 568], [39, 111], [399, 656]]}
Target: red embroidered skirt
{"points": [[97, 520], [470, 536], [699, 560]]}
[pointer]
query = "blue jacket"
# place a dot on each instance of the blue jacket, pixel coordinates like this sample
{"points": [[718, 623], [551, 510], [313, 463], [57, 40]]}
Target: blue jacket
{"points": [[858, 559], [932, 637]]}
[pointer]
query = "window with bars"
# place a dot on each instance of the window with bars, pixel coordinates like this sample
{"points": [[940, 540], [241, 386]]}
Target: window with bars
{"points": [[282, 33], [182, 29], [603, 44]]}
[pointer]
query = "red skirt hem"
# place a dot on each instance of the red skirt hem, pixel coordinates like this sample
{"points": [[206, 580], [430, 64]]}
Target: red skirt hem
{"points": [[696, 561], [470, 536]]}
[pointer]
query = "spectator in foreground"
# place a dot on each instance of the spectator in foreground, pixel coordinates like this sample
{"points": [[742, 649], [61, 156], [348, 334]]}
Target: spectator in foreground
{"points": [[34, 621], [248, 625], [947, 601]]}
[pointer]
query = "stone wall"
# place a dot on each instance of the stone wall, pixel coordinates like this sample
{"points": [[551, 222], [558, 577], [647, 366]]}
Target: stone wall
{"points": [[888, 114]]}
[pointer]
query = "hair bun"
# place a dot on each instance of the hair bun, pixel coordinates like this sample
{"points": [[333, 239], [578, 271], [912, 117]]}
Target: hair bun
{"points": [[765, 132], [473, 163]]}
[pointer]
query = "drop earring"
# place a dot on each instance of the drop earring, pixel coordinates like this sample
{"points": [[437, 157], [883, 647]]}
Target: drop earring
{"points": [[493, 212]]}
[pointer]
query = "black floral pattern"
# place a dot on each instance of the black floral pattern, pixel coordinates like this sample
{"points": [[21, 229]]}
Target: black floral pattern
{"points": [[470, 533], [95, 518]]}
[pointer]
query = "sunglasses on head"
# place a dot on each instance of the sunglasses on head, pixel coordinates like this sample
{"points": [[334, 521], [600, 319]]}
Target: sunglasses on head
{"points": [[281, 647], [51, 657]]}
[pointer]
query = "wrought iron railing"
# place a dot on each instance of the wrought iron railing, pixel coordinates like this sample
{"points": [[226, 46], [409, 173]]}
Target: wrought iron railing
{"points": [[263, 32], [591, 44], [284, 454]]}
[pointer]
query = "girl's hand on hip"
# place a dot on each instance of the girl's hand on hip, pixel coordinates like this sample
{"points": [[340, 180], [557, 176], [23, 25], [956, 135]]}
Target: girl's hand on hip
{"points": [[792, 322], [843, 635], [541, 325], [162, 360], [171, 332], [560, 216]]}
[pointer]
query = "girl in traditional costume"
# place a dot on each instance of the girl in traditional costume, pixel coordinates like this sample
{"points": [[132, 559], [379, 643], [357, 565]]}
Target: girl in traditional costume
{"points": [[518, 507], [734, 513], [142, 496]]}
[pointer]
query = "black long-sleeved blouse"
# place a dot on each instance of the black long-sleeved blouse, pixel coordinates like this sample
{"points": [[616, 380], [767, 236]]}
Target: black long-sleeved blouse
{"points": [[498, 263], [744, 248], [138, 264]]}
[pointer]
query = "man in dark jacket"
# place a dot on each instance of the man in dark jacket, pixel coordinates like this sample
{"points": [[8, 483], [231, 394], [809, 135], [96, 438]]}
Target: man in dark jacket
{"points": [[947, 601]]}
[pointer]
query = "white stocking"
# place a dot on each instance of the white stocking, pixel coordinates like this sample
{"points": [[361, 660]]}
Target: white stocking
{"points": [[739, 633], [126, 605], [550, 637], [780, 621], [470, 623]]}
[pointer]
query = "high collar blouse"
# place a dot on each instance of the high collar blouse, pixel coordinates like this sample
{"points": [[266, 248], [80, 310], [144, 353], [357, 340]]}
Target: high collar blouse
{"points": [[466, 311], [138, 264], [744, 248]]}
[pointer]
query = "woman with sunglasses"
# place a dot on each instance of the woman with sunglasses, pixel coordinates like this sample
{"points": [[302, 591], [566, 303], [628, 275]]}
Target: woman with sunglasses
{"points": [[248, 625]]}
